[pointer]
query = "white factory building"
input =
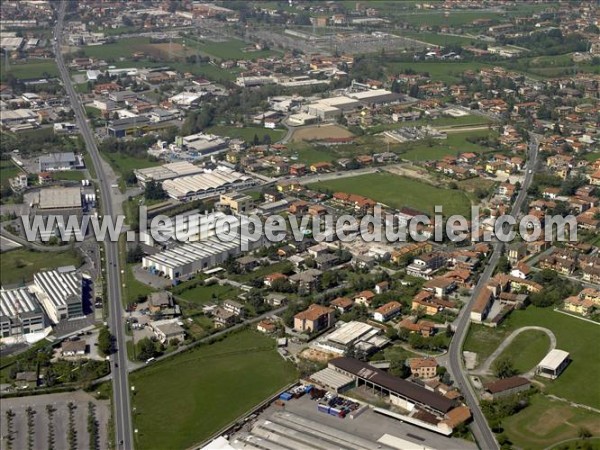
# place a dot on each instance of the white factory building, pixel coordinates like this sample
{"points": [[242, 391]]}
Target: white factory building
{"points": [[60, 293], [194, 257], [188, 227], [20, 313], [204, 144], [207, 184]]}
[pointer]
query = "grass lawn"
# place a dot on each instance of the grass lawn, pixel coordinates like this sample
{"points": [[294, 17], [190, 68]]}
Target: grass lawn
{"points": [[308, 155], [124, 163], [18, 266], [592, 156], [527, 349], [397, 191], [118, 49], [570, 334], [247, 133], [546, 421], [577, 444], [206, 294], [69, 175], [28, 70], [205, 389], [448, 72]]}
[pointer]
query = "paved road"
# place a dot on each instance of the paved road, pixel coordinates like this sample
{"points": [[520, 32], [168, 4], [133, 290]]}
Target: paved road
{"points": [[121, 400], [481, 430]]}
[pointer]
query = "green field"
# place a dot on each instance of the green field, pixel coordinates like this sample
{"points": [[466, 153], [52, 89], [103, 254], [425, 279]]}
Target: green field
{"points": [[397, 191], [18, 266], [578, 444], [309, 155], [69, 175], [455, 143], [206, 294], [546, 422], [124, 163], [7, 170], [122, 48], [570, 334], [463, 121], [231, 49], [439, 18], [448, 72], [247, 133], [183, 400], [527, 349], [32, 69]]}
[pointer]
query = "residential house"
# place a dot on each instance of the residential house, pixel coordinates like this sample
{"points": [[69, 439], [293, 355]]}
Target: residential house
{"points": [[342, 304], [364, 298], [314, 319], [387, 311], [423, 368]]}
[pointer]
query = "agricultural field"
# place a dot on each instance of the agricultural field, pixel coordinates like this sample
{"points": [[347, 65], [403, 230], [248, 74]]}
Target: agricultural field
{"points": [[397, 191], [446, 122], [546, 421], [247, 133], [30, 69], [18, 266], [205, 388], [570, 332]]}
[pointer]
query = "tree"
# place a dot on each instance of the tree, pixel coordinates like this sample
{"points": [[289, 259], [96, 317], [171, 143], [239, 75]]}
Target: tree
{"points": [[154, 191], [105, 341], [130, 178], [255, 140], [399, 368], [146, 349], [135, 254], [584, 433], [266, 139], [503, 265], [504, 367]]}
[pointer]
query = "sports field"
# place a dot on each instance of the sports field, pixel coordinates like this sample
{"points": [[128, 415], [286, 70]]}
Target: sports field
{"points": [[571, 334], [183, 400], [313, 133], [527, 349], [231, 49], [546, 422], [397, 191]]}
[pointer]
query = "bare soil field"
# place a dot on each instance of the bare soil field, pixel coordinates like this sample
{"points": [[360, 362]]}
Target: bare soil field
{"points": [[317, 132]]}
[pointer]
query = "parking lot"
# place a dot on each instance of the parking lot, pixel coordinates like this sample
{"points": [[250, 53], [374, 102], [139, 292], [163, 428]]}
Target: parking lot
{"points": [[59, 422], [299, 424]]}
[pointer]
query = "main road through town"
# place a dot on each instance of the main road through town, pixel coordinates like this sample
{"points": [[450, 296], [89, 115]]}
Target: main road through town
{"points": [[483, 434], [121, 400]]}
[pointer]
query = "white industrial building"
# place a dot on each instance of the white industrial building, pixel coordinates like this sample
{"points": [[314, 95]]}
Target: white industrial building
{"points": [[10, 117], [358, 335], [60, 293], [20, 313], [185, 228], [191, 258], [553, 364], [186, 99], [207, 184], [60, 161], [166, 172]]}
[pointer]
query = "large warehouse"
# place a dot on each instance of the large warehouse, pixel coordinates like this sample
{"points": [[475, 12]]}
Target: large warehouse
{"points": [[207, 184], [20, 313], [194, 257], [60, 292], [166, 172]]}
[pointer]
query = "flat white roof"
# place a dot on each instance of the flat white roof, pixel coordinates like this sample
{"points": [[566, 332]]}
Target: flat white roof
{"points": [[18, 301], [207, 181], [331, 378], [553, 359], [60, 198], [166, 171]]}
